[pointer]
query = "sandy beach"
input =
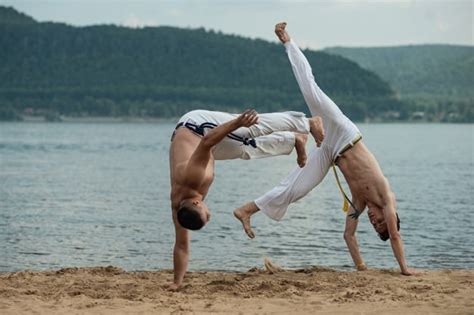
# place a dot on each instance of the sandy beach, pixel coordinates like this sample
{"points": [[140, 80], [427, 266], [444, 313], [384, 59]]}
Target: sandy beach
{"points": [[111, 290]]}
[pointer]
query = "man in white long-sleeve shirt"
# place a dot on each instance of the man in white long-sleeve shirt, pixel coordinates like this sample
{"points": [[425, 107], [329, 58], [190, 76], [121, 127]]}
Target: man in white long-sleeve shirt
{"points": [[342, 146]]}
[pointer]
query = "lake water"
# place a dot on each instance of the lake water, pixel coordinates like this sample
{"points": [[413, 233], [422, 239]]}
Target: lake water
{"points": [[89, 194]]}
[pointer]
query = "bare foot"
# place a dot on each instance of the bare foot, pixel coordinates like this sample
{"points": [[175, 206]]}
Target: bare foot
{"points": [[300, 146], [281, 32], [317, 130], [243, 214]]}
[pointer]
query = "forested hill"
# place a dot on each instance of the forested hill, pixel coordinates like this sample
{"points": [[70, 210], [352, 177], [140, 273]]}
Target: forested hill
{"points": [[108, 70], [436, 74]]}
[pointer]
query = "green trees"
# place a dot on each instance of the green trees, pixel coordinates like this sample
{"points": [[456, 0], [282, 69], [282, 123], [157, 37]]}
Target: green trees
{"points": [[107, 70], [436, 79]]}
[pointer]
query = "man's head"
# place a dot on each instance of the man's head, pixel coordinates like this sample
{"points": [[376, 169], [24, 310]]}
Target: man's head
{"points": [[193, 214], [377, 219]]}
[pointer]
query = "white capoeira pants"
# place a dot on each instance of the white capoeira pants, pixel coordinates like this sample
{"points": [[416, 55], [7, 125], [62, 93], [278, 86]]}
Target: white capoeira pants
{"points": [[339, 131], [273, 134]]}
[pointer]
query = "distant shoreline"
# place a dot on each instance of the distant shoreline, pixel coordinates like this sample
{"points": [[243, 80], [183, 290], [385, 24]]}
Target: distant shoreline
{"points": [[131, 119], [96, 119]]}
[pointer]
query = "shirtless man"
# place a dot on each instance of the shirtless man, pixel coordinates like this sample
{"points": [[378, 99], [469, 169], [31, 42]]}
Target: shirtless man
{"points": [[204, 136], [343, 147]]}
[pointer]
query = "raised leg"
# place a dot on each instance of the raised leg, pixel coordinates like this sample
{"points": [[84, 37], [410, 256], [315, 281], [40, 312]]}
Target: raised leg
{"points": [[277, 143], [274, 122], [318, 102], [286, 121], [295, 186]]}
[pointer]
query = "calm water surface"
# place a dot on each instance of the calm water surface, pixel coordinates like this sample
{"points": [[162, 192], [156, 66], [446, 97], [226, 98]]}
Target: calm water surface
{"points": [[98, 194]]}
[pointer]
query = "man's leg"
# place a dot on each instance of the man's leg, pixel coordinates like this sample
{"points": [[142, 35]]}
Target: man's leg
{"points": [[295, 186], [270, 139], [318, 102], [277, 143], [285, 121]]}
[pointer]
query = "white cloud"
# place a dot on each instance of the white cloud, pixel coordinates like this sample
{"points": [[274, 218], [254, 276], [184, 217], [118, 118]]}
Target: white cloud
{"points": [[134, 21]]}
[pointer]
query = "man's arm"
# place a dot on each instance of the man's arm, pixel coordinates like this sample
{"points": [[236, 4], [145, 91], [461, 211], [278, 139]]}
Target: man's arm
{"points": [[395, 239], [351, 240], [180, 253], [390, 215], [196, 168]]}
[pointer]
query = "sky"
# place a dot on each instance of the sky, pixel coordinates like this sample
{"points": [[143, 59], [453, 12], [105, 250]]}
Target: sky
{"points": [[313, 24]]}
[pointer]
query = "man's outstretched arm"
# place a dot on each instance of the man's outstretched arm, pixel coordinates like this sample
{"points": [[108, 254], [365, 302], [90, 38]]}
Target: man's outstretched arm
{"points": [[196, 168], [180, 253], [396, 240], [390, 214]]}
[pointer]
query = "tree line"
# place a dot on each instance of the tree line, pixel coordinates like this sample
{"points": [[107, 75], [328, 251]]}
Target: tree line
{"points": [[105, 70]]}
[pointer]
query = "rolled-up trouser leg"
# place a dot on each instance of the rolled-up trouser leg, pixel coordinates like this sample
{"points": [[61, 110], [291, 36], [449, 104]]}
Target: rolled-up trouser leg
{"points": [[277, 143], [274, 135], [296, 185], [273, 122]]}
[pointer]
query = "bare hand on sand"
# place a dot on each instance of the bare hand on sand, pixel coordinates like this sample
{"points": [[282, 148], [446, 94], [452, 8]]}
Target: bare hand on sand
{"points": [[111, 290], [412, 272], [172, 287]]}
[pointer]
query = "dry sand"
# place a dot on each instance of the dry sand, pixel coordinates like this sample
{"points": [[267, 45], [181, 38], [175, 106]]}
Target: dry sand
{"points": [[111, 290]]}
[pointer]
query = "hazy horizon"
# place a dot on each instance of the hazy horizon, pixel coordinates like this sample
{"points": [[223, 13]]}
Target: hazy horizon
{"points": [[313, 24]]}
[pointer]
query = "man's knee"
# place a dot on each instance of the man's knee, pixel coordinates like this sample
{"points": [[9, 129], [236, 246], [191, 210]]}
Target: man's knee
{"points": [[299, 191]]}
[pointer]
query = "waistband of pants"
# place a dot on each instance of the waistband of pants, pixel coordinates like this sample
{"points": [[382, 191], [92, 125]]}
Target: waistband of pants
{"points": [[348, 146], [199, 130]]}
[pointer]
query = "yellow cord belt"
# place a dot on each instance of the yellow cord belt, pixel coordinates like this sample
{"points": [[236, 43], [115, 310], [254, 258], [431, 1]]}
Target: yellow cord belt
{"points": [[347, 201], [345, 206]]}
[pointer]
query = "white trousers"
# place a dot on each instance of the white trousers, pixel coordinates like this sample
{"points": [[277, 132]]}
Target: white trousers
{"points": [[273, 134], [339, 131]]}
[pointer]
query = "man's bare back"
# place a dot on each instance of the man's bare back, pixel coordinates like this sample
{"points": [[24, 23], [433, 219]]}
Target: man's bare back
{"points": [[183, 146]]}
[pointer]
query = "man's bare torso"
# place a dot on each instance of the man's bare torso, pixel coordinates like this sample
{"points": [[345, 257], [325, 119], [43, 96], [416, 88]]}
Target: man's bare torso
{"points": [[368, 185], [183, 146]]}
